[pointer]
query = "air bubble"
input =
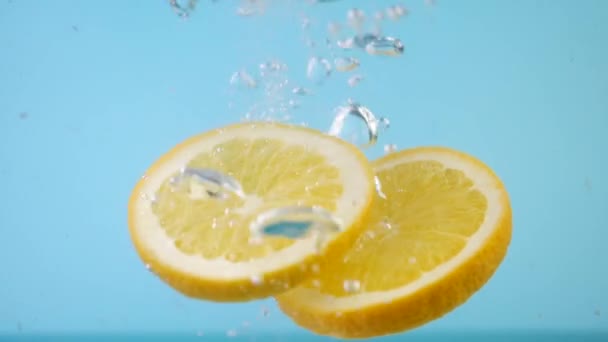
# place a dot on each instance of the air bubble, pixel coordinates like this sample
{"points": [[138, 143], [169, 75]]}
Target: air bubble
{"points": [[300, 91], [352, 286], [363, 118], [387, 46], [344, 64], [242, 79], [318, 69], [231, 333], [355, 18], [183, 8], [215, 184], [294, 222], [390, 148], [396, 12], [354, 80]]}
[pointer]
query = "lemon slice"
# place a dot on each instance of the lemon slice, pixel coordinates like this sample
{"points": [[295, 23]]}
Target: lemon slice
{"points": [[197, 237], [438, 233]]}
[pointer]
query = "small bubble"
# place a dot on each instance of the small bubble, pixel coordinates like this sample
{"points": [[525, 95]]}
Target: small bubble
{"points": [[352, 286], [355, 18], [316, 283], [396, 12], [411, 260], [354, 80], [300, 91], [384, 124], [348, 43], [318, 69], [199, 333], [265, 311], [390, 148], [231, 333], [23, 115], [183, 8], [231, 257], [597, 312], [333, 29], [148, 267], [272, 67], [344, 64], [305, 23], [242, 79], [387, 46], [246, 324]]}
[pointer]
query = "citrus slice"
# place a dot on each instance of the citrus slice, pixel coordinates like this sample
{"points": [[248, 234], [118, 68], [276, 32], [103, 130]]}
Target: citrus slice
{"points": [[435, 235], [200, 243]]}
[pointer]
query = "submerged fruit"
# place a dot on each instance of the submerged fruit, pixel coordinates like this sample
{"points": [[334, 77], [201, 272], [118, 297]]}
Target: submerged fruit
{"points": [[436, 236], [190, 214]]}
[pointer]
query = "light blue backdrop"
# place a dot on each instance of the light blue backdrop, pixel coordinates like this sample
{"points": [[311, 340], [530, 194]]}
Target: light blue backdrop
{"points": [[92, 92]]}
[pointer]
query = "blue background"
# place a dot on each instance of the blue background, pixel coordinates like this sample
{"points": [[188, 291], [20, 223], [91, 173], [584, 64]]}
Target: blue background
{"points": [[110, 85]]}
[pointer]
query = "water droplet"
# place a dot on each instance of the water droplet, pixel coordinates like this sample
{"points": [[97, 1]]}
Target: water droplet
{"points": [[354, 80], [346, 64], [366, 122], [294, 222], [148, 267], [318, 69], [390, 148], [352, 286], [387, 46], [379, 187], [215, 184]]}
